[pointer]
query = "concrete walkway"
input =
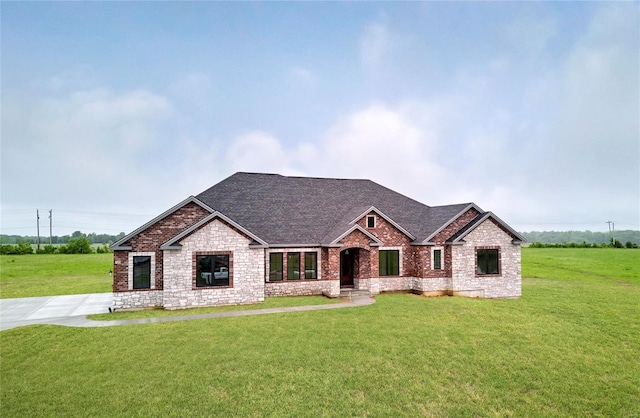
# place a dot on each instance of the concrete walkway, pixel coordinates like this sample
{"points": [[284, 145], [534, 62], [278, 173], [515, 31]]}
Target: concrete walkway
{"points": [[71, 311]]}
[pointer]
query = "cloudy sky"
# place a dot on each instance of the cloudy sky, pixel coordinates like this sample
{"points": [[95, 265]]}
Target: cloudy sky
{"points": [[113, 112]]}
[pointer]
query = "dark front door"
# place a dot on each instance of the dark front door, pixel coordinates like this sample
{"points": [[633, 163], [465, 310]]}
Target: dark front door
{"points": [[347, 262]]}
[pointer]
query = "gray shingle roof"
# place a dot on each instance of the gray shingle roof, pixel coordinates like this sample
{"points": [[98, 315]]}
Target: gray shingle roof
{"points": [[303, 210]]}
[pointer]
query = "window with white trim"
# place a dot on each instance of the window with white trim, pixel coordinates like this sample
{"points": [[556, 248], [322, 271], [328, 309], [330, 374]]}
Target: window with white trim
{"points": [[371, 221], [389, 262], [142, 270]]}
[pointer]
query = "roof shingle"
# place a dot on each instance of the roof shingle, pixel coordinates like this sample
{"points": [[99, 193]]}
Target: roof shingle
{"points": [[303, 210]]}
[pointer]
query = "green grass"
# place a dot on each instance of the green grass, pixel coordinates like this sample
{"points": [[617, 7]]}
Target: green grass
{"points": [[33, 275], [568, 347], [620, 265], [281, 302]]}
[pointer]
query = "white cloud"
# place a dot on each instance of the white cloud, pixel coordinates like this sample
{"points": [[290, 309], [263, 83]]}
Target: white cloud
{"points": [[596, 138], [375, 43], [70, 149], [530, 35], [303, 77], [258, 152]]}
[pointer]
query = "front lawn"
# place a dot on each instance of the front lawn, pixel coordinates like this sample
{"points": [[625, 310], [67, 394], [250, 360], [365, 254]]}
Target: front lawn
{"points": [[568, 347], [280, 302]]}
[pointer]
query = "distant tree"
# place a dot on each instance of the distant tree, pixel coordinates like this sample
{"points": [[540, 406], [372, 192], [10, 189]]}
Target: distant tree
{"points": [[76, 246]]}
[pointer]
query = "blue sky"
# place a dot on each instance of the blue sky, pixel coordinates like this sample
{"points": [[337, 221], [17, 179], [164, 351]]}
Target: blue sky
{"points": [[112, 112]]}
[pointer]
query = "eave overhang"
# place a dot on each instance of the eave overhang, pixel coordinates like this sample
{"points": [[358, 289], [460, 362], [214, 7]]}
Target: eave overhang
{"points": [[173, 243], [428, 240], [375, 242], [517, 238]]}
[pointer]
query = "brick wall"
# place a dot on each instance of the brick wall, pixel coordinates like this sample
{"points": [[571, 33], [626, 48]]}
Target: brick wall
{"points": [[390, 237], [151, 239]]}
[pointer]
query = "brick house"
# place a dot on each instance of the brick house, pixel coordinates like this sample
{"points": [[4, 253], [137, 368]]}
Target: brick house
{"points": [[253, 236]]}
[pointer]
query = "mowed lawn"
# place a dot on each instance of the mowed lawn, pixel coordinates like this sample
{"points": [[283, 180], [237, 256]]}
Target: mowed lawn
{"points": [[569, 347], [31, 275]]}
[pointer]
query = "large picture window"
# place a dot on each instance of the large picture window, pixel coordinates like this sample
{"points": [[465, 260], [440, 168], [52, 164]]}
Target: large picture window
{"points": [[293, 266], [275, 267], [389, 261], [212, 270], [142, 272], [310, 265], [487, 261]]}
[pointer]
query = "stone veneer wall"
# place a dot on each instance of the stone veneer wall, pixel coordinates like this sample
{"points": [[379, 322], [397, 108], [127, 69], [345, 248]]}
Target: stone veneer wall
{"points": [[299, 288], [137, 299], [433, 286], [506, 284], [248, 269]]}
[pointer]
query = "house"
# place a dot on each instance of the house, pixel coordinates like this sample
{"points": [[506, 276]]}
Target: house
{"points": [[253, 236]]}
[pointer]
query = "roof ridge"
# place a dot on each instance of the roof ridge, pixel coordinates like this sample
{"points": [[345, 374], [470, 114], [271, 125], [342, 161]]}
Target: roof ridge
{"points": [[302, 177]]}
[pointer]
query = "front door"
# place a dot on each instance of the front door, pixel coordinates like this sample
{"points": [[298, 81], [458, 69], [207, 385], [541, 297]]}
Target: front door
{"points": [[347, 262]]}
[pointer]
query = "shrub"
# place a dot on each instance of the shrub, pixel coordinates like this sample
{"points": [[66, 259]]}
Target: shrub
{"points": [[24, 248], [47, 249], [76, 246], [103, 250]]}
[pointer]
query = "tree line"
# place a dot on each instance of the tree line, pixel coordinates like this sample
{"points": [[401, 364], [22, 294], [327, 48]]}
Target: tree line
{"points": [[584, 237], [73, 246], [614, 243], [92, 237], [76, 243]]}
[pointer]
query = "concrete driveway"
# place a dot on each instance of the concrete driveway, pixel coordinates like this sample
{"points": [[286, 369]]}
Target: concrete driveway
{"points": [[71, 311], [48, 309]]}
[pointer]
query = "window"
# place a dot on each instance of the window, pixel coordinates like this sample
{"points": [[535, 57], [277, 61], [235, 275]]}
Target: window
{"points": [[212, 270], [389, 262], [142, 272], [371, 221], [487, 261], [437, 259], [310, 265], [293, 266], [275, 267]]}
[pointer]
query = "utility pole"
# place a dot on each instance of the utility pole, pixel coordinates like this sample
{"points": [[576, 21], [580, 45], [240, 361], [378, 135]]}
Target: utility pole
{"points": [[50, 227], [613, 233], [38, 224], [610, 236]]}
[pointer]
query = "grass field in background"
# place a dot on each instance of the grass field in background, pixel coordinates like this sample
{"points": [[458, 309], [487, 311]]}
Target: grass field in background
{"points": [[31, 275], [621, 265], [568, 347]]}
